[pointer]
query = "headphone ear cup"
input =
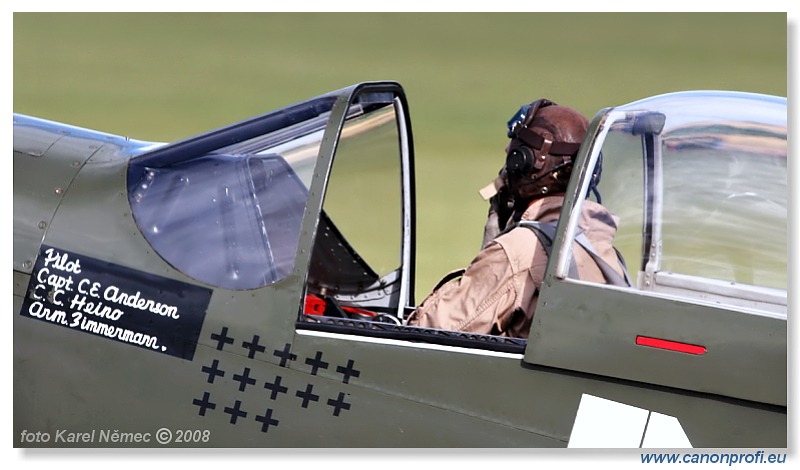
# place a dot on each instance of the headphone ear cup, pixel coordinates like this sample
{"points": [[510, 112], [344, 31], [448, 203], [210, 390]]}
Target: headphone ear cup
{"points": [[519, 161]]}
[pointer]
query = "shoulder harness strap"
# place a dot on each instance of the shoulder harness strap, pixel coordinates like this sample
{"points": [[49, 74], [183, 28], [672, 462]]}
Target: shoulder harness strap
{"points": [[612, 277], [545, 232]]}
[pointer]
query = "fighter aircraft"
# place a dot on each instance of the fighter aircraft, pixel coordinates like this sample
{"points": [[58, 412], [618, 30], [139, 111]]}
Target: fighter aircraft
{"points": [[239, 288]]}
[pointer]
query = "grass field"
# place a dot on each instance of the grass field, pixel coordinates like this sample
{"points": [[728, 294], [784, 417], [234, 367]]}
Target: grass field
{"points": [[164, 77]]}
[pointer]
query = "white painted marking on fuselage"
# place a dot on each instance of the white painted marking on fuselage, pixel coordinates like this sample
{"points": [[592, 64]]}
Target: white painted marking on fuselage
{"points": [[665, 432], [602, 423]]}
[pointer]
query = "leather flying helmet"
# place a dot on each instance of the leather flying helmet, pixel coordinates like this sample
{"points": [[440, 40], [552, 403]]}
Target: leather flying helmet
{"points": [[543, 146]]}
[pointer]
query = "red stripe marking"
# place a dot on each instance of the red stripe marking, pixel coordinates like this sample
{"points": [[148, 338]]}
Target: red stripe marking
{"points": [[670, 345]]}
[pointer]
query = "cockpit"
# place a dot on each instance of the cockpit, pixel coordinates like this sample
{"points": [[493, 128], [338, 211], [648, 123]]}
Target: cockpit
{"points": [[322, 193], [231, 215]]}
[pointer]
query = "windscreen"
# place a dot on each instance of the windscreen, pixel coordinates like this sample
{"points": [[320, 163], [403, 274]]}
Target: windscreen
{"points": [[226, 208]]}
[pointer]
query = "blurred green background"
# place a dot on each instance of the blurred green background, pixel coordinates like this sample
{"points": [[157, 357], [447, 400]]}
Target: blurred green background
{"points": [[164, 77]]}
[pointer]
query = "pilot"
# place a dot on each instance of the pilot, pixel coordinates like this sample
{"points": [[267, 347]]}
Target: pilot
{"points": [[498, 292]]}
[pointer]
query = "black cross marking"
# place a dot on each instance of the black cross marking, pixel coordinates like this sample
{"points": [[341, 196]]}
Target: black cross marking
{"points": [[276, 388], [222, 338], [348, 371], [204, 404], [236, 412], [307, 396], [316, 363], [253, 346], [338, 404], [285, 355], [244, 379], [267, 420], [213, 371]]}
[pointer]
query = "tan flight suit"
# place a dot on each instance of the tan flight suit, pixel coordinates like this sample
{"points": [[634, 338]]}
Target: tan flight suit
{"points": [[497, 293]]}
